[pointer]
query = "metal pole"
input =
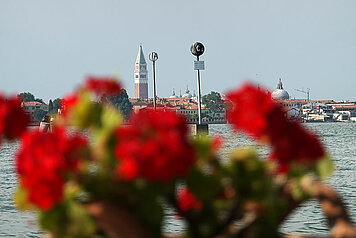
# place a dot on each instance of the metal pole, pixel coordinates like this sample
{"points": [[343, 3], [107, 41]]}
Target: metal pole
{"points": [[199, 96], [154, 84], [153, 57], [197, 49]]}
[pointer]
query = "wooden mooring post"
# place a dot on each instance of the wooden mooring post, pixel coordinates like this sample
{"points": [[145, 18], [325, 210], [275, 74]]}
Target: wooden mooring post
{"points": [[200, 129]]}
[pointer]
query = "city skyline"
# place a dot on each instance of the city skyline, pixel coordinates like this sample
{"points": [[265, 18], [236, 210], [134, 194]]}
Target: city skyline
{"points": [[47, 47]]}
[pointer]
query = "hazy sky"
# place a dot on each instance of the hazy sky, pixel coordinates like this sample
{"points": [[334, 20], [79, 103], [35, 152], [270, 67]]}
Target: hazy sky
{"points": [[48, 46]]}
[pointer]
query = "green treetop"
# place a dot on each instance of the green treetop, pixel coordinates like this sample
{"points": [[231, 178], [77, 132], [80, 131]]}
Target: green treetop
{"points": [[26, 97], [213, 101], [121, 101]]}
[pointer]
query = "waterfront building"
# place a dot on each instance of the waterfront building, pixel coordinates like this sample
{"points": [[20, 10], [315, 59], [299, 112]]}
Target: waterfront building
{"points": [[182, 105], [141, 75], [31, 107]]}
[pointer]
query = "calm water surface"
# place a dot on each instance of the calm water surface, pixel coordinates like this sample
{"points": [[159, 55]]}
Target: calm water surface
{"points": [[339, 139]]}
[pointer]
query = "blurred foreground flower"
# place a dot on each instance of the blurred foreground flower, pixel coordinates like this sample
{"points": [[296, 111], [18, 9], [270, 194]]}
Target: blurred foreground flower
{"points": [[254, 111], [44, 163], [13, 119], [102, 86], [187, 201], [155, 146]]}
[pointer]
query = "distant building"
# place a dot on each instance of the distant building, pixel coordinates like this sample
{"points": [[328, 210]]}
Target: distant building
{"points": [[279, 93], [181, 105], [30, 107], [141, 75], [173, 94], [187, 94]]}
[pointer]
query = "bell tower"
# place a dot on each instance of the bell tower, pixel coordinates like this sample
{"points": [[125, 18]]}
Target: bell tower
{"points": [[141, 75]]}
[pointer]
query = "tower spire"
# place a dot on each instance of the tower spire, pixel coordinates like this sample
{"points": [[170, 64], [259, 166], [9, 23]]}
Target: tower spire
{"points": [[141, 75], [140, 56]]}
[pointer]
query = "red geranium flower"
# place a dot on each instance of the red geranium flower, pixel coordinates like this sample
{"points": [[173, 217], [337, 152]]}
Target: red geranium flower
{"points": [[187, 201], [68, 103], [154, 146], [254, 111], [3, 109], [297, 145], [216, 144], [13, 119], [43, 162], [250, 107], [102, 86]]}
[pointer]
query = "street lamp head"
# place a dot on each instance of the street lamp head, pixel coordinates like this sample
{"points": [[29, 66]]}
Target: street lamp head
{"points": [[153, 56], [197, 49]]}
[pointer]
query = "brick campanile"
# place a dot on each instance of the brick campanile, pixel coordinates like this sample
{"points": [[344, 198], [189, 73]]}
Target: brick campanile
{"points": [[141, 75]]}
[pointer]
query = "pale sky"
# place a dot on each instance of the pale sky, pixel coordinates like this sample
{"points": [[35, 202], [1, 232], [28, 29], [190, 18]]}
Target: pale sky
{"points": [[48, 46]]}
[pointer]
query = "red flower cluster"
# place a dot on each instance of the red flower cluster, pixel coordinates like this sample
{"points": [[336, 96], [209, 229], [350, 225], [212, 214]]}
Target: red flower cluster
{"points": [[216, 144], [44, 161], [250, 107], [102, 86], [68, 103], [187, 201], [13, 120], [154, 146], [254, 111], [297, 145]]}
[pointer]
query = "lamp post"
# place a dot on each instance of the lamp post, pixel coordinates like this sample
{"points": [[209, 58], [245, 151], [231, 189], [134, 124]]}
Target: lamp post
{"points": [[197, 50], [154, 57]]}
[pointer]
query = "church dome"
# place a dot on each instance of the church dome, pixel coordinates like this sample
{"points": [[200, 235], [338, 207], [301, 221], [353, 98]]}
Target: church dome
{"points": [[194, 97], [187, 94], [173, 95], [279, 93]]}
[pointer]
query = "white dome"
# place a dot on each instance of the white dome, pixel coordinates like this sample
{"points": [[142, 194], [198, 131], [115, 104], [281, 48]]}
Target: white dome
{"points": [[280, 94], [187, 94], [173, 95]]}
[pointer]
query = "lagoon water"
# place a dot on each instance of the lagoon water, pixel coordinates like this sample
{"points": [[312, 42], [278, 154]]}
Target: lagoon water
{"points": [[339, 139]]}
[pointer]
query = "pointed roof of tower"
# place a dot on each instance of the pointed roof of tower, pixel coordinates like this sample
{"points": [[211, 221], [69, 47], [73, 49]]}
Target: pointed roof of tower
{"points": [[140, 56]]}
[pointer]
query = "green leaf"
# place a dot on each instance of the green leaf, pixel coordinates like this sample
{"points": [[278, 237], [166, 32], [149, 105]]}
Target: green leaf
{"points": [[297, 191], [87, 113], [20, 199], [110, 118], [81, 224], [54, 220], [202, 145], [324, 167], [205, 187], [149, 209], [243, 154], [68, 219]]}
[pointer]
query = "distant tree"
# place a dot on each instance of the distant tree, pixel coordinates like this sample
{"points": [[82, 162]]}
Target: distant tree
{"points": [[39, 114], [56, 104], [213, 101], [26, 97], [50, 106], [121, 101], [39, 100]]}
